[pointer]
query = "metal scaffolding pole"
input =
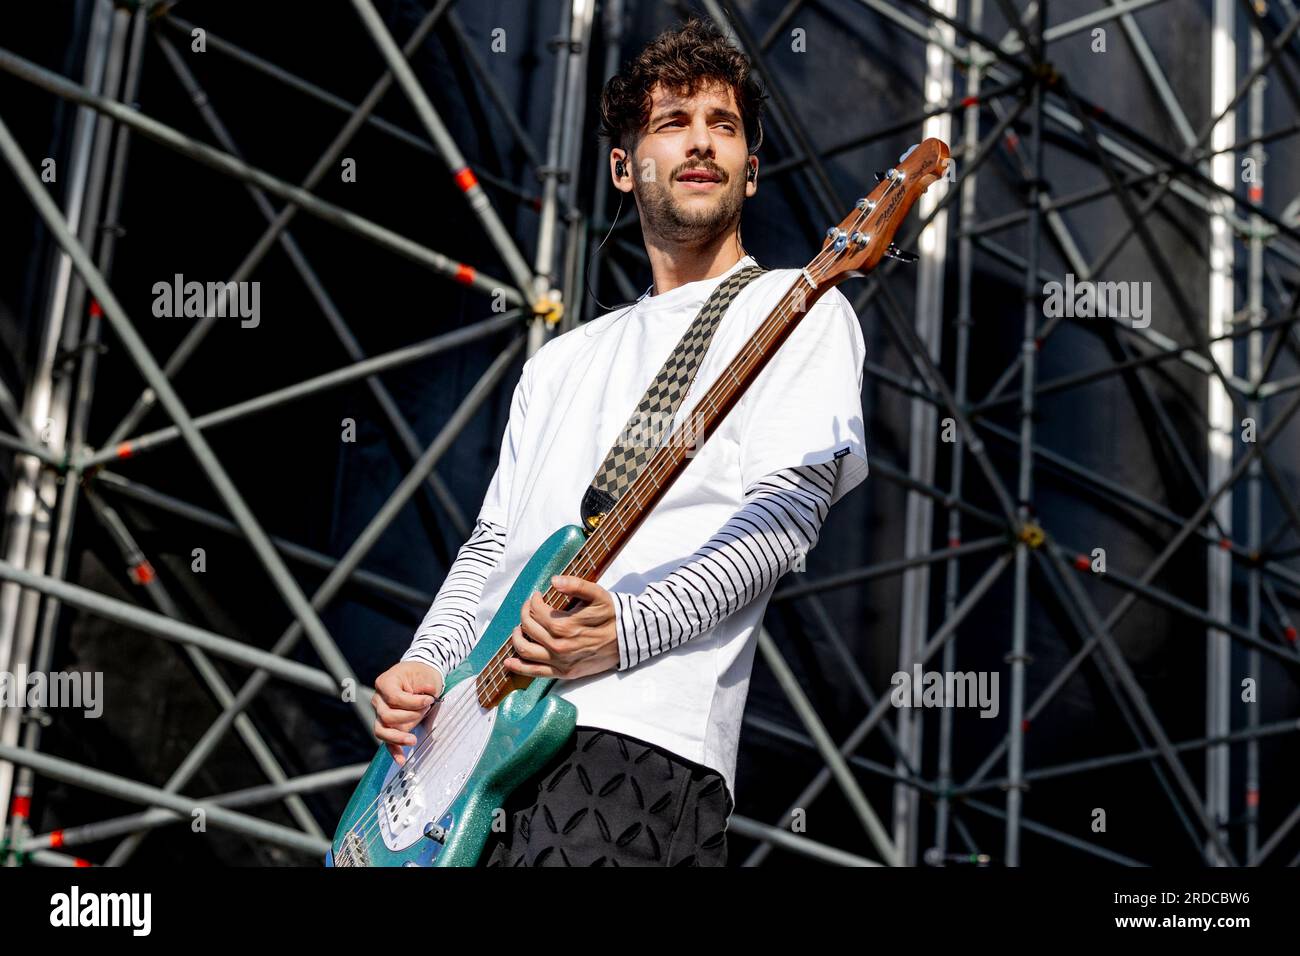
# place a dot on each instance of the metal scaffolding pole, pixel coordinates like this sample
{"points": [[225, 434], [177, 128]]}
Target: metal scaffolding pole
{"points": [[570, 47], [191, 808], [1030, 533], [1221, 434], [74, 400], [965, 323], [45, 406], [1254, 493], [154, 818]]}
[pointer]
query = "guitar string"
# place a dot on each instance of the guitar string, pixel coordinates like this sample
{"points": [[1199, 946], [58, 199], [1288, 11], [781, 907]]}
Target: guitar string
{"points": [[459, 717]]}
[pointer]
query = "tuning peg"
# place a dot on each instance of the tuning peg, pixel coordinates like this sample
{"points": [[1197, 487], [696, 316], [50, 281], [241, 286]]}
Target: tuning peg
{"points": [[893, 252], [839, 239]]}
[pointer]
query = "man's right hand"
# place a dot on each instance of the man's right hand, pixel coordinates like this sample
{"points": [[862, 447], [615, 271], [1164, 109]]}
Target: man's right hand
{"points": [[403, 695]]}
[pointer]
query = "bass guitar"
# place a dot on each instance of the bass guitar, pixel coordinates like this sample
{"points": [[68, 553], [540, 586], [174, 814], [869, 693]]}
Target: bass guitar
{"points": [[492, 729]]}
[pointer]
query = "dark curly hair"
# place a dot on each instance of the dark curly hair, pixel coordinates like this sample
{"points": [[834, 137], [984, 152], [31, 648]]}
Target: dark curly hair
{"points": [[695, 54]]}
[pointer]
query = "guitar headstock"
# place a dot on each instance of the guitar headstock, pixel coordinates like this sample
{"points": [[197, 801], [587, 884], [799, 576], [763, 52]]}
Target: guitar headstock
{"points": [[863, 238]]}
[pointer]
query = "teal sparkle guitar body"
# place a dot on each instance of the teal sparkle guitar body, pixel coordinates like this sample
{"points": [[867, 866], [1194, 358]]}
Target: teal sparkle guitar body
{"points": [[439, 809]]}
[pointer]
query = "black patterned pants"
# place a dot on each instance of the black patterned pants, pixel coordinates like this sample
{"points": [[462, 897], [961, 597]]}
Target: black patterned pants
{"points": [[607, 799]]}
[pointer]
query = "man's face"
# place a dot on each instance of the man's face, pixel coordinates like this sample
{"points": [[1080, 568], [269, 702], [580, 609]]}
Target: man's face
{"points": [[687, 170]]}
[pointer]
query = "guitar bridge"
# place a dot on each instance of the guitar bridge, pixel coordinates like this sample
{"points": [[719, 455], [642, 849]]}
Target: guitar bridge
{"points": [[353, 852]]}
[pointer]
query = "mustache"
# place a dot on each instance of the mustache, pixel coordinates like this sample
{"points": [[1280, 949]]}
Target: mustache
{"points": [[705, 167]]}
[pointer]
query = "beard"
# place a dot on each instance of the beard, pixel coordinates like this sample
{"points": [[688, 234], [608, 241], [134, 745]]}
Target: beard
{"points": [[669, 218]]}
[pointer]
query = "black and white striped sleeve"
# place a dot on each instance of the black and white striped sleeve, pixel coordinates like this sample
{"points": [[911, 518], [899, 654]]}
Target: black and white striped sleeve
{"points": [[778, 524], [446, 635]]}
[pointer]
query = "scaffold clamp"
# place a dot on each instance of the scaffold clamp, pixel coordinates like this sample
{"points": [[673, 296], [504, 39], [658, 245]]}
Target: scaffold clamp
{"points": [[1032, 534], [550, 307]]}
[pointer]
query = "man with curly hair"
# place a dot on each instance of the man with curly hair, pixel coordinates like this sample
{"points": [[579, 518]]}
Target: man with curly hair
{"points": [[657, 657]]}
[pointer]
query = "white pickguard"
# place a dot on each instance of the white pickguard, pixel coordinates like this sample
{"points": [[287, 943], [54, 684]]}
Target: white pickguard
{"points": [[449, 743]]}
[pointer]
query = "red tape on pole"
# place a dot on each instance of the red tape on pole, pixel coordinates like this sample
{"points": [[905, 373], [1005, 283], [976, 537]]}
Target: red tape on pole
{"points": [[466, 179]]}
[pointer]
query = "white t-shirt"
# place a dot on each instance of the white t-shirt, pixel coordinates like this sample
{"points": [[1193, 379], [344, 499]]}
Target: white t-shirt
{"points": [[575, 396]]}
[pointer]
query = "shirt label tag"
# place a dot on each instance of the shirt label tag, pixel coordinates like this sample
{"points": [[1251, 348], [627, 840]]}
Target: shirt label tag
{"points": [[842, 452]]}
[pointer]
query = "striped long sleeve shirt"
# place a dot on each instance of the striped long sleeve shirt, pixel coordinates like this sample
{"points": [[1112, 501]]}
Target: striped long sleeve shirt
{"points": [[773, 531], [446, 635]]}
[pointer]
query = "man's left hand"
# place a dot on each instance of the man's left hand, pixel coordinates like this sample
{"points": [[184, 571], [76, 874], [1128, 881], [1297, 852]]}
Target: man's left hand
{"points": [[566, 644]]}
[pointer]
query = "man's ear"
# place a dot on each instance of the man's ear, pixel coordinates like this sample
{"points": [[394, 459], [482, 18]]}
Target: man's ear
{"points": [[621, 167], [751, 175]]}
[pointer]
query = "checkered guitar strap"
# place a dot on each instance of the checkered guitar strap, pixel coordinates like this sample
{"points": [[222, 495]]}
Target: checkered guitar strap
{"points": [[629, 455]]}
